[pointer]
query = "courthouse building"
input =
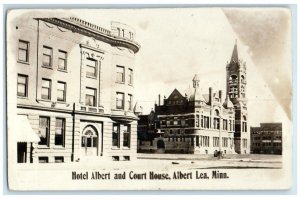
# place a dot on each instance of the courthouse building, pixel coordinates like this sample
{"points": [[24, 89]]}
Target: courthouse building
{"points": [[201, 123], [266, 139], [75, 90]]}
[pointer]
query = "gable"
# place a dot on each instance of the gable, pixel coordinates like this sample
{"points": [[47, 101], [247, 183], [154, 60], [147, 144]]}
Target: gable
{"points": [[175, 95], [175, 98]]}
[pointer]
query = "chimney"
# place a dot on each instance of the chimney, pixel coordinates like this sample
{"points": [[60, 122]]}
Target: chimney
{"points": [[210, 95], [220, 96], [158, 99]]}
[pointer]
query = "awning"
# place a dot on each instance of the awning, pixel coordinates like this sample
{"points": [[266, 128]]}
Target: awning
{"points": [[21, 131]]}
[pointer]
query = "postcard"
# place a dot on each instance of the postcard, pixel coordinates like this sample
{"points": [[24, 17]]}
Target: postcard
{"points": [[149, 99]]}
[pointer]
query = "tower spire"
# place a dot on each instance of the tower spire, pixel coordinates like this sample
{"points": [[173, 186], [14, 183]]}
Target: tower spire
{"points": [[196, 81], [235, 57]]}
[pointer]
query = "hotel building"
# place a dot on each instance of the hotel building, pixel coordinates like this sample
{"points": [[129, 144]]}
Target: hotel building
{"points": [[75, 90]]}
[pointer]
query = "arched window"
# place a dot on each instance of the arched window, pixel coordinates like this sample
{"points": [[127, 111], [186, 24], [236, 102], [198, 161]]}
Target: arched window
{"points": [[216, 112], [89, 137], [216, 122], [242, 79], [233, 78]]}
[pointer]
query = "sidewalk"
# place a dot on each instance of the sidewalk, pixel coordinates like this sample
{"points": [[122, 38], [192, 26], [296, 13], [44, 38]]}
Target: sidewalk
{"points": [[232, 157]]}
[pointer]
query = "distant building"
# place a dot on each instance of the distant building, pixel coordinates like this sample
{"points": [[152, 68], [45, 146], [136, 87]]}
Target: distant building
{"points": [[266, 139], [147, 132], [74, 88], [201, 123]]}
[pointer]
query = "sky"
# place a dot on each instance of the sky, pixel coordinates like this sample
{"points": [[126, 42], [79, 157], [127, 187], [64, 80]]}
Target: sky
{"points": [[178, 43]]}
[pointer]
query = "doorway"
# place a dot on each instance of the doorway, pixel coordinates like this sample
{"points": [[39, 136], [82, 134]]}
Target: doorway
{"points": [[89, 141]]}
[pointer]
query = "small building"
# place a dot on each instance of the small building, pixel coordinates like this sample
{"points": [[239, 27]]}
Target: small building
{"points": [[266, 139]]}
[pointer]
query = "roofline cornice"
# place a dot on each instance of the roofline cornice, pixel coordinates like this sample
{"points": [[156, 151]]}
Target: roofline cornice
{"points": [[104, 36]]}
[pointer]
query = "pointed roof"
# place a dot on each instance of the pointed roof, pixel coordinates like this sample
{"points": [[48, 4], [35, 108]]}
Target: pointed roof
{"points": [[228, 103], [176, 94], [137, 108], [196, 78], [197, 96], [235, 57]]}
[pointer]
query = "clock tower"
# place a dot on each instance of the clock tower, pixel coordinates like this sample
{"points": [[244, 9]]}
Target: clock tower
{"points": [[236, 72]]}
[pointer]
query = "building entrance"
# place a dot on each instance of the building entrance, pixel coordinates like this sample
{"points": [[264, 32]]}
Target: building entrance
{"points": [[89, 142]]}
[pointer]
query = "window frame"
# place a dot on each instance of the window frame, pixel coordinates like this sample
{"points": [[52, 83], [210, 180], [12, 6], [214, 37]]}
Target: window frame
{"points": [[117, 100], [26, 50], [48, 129], [130, 76], [130, 99], [123, 74], [95, 96], [64, 91], [63, 129], [49, 89], [64, 59], [128, 134], [26, 85], [90, 66], [51, 56], [117, 145]]}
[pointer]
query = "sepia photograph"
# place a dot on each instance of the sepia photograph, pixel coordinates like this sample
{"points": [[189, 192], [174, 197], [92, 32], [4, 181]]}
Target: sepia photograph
{"points": [[149, 99]]}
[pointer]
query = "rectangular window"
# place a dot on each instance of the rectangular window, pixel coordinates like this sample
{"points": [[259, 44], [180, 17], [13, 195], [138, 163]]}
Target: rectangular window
{"points": [[208, 141], [60, 124], [43, 159], [91, 68], [206, 122], [47, 56], [224, 124], [197, 140], [46, 89], [22, 86], [120, 101], [23, 52], [115, 158], [44, 130], [244, 127], [120, 78], [126, 136], [129, 102], [182, 122], [130, 76], [197, 120], [175, 122], [168, 123], [119, 32], [116, 135], [61, 91], [90, 97], [62, 60], [59, 159]]}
